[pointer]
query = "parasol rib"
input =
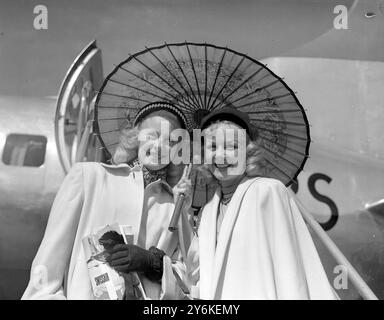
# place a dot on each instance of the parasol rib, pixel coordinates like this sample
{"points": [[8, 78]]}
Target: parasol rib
{"points": [[225, 99], [281, 145], [138, 89], [256, 90], [159, 76], [147, 92], [194, 73], [152, 84], [229, 79], [217, 75], [182, 72], [280, 121], [127, 97], [274, 111], [282, 132], [276, 167], [265, 99], [174, 77], [281, 157]]}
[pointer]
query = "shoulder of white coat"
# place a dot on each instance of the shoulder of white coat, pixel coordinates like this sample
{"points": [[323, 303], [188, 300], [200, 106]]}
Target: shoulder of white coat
{"points": [[99, 167], [264, 183], [76, 170], [88, 170], [86, 166]]}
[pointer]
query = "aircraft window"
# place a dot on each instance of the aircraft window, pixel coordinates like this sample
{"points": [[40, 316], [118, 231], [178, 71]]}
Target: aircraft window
{"points": [[24, 150]]}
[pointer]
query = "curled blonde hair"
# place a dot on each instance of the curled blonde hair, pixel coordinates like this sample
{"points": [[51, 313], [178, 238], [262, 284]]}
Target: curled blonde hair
{"points": [[128, 147], [255, 155]]}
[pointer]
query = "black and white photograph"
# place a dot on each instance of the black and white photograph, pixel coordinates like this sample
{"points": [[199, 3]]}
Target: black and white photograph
{"points": [[191, 150]]}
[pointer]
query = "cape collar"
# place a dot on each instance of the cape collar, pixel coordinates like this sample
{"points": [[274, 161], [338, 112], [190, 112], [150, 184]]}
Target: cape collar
{"points": [[149, 180]]}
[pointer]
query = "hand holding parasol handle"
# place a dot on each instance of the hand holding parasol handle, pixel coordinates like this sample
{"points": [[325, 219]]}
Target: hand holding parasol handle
{"points": [[179, 202]]}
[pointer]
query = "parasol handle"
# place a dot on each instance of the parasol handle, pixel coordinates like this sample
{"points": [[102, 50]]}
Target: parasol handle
{"points": [[176, 213], [179, 204]]}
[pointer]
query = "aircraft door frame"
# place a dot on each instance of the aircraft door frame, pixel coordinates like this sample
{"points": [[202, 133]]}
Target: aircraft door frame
{"points": [[75, 107]]}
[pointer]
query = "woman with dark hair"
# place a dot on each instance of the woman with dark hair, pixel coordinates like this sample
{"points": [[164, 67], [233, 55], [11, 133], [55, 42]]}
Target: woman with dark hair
{"points": [[252, 242], [135, 190]]}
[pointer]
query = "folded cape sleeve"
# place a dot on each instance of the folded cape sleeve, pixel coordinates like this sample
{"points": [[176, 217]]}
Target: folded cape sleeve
{"points": [[50, 265], [297, 268]]}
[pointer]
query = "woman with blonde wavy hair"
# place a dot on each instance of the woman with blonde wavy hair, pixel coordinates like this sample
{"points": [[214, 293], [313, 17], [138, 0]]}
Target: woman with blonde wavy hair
{"points": [[132, 138], [251, 241], [136, 190]]}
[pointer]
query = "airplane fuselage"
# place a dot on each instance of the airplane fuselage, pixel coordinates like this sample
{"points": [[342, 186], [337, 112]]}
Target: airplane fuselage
{"points": [[26, 192]]}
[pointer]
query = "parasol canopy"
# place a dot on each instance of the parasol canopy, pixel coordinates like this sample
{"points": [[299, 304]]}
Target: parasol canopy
{"points": [[199, 78]]}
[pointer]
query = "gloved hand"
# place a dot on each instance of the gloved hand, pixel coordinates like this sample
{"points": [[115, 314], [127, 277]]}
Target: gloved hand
{"points": [[129, 257]]}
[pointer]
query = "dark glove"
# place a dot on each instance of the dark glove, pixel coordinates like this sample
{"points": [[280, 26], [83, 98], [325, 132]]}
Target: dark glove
{"points": [[129, 257]]}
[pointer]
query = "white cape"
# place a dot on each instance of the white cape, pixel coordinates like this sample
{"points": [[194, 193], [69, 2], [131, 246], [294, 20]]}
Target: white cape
{"points": [[264, 249], [92, 196]]}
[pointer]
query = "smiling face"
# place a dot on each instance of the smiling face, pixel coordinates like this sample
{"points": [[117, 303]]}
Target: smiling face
{"points": [[225, 150], [154, 142]]}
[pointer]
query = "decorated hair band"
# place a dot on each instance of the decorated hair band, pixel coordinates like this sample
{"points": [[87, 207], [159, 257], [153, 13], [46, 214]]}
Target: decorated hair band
{"points": [[158, 106]]}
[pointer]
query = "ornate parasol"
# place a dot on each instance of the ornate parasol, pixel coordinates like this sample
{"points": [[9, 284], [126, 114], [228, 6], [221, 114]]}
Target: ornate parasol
{"points": [[200, 78]]}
